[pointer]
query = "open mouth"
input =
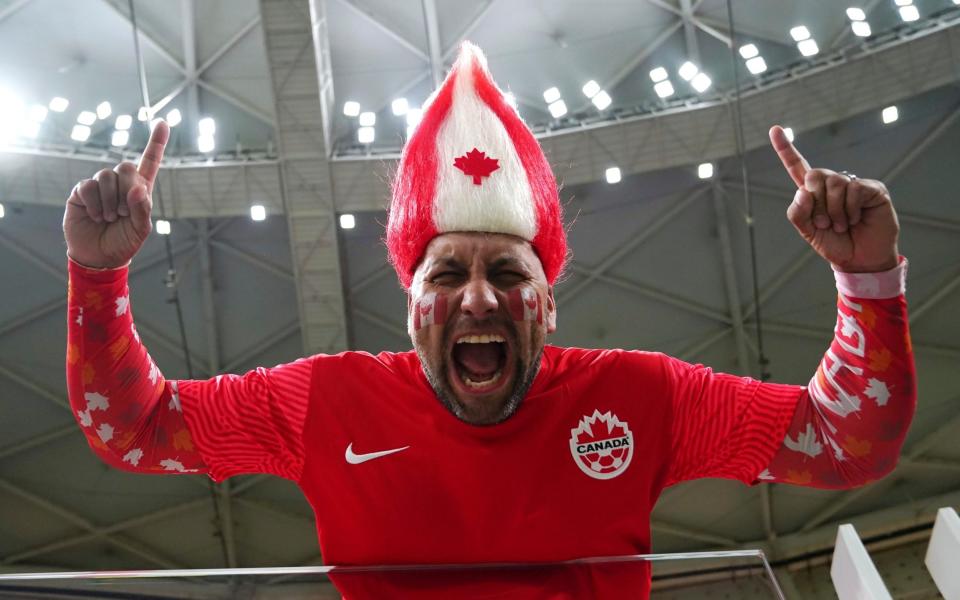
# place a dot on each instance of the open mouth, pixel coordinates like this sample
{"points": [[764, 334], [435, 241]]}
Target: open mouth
{"points": [[480, 362]]}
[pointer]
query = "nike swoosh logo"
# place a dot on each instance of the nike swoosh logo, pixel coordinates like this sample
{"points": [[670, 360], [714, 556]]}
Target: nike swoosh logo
{"points": [[356, 459]]}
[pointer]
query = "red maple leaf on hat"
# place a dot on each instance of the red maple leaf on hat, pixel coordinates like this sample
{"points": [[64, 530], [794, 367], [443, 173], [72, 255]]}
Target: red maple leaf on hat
{"points": [[476, 164]]}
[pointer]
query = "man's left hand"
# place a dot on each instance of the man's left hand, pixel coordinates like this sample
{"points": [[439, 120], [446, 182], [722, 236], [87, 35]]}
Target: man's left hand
{"points": [[847, 220]]}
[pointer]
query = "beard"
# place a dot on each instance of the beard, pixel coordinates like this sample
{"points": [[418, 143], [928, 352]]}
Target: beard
{"points": [[523, 379]]}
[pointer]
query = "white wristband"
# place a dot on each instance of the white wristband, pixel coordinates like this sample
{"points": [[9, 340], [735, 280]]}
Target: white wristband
{"points": [[883, 284]]}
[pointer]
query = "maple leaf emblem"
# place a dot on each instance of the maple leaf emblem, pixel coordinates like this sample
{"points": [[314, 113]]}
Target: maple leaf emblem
{"points": [[476, 164]]}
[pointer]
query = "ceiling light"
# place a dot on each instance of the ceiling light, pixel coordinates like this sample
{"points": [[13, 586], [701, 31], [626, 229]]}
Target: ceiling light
{"points": [[347, 221], [788, 131], [903, 2], [890, 114], [808, 47], [366, 135], [59, 104], [909, 13], [800, 33], [413, 116], [206, 143], [87, 118], [143, 114], [658, 74], [30, 129], [856, 14], [701, 82], [163, 227], [103, 110], [1, 211], [613, 175], [351, 108], [174, 117], [511, 99], [591, 88], [558, 109], [749, 51], [756, 65], [705, 170], [664, 89], [551, 95], [368, 119], [123, 122], [37, 113], [80, 133], [120, 138], [258, 212], [207, 126], [688, 70], [400, 107], [602, 100], [861, 29]]}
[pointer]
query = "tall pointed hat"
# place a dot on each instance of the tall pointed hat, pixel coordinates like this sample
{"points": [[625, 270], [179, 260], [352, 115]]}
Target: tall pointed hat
{"points": [[473, 165]]}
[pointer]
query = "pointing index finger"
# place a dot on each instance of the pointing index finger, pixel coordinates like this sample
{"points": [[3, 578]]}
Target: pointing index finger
{"points": [[153, 153], [794, 162]]}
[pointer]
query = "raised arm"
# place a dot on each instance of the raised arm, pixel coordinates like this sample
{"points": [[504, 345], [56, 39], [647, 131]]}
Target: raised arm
{"points": [[133, 418]]}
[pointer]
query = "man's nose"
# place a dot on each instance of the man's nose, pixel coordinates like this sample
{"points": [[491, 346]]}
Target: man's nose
{"points": [[479, 299]]}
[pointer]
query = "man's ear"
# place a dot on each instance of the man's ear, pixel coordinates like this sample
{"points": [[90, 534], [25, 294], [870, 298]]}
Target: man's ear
{"points": [[551, 311]]}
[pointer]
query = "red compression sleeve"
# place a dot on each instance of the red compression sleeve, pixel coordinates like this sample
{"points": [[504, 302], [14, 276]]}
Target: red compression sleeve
{"points": [[850, 424]]}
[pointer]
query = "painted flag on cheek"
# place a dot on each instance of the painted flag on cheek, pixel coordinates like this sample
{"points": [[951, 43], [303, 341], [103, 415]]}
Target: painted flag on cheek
{"points": [[430, 309], [525, 305]]}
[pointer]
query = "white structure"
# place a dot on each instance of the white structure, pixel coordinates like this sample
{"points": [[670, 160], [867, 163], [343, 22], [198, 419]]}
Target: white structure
{"points": [[943, 553], [854, 575]]}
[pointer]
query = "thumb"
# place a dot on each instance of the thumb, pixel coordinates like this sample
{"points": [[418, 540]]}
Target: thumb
{"points": [[140, 205]]}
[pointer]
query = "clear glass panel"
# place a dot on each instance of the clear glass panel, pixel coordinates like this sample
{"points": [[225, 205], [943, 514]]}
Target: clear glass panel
{"points": [[674, 576]]}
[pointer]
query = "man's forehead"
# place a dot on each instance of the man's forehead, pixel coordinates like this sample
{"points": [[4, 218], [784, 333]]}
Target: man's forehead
{"points": [[489, 247]]}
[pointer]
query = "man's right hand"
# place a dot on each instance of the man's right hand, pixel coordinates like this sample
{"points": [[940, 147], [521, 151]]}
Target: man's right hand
{"points": [[107, 218]]}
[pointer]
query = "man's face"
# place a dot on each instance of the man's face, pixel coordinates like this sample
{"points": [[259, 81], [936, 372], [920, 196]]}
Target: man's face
{"points": [[479, 310]]}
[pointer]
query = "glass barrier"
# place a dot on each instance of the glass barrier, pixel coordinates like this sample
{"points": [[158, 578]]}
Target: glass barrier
{"points": [[673, 576]]}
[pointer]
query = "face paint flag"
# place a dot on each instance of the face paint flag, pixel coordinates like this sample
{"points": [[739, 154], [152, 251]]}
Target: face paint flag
{"points": [[525, 305], [430, 309]]}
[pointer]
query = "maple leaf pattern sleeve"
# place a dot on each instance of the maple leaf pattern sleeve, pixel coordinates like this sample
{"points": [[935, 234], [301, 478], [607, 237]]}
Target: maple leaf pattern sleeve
{"points": [[844, 429], [136, 420]]}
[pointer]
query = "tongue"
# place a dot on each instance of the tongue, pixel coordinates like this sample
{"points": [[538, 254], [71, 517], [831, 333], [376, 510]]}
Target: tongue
{"points": [[481, 360]]}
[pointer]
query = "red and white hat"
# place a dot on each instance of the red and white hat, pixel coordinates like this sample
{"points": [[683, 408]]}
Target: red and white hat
{"points": [[473, 165]]}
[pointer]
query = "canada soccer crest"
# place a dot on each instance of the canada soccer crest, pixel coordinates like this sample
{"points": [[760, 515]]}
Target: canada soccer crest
{"points": [[602, 445]]}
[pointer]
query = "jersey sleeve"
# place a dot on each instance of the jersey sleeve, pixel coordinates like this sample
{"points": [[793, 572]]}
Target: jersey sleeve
{"points": [[136, 420], [849, 428]]}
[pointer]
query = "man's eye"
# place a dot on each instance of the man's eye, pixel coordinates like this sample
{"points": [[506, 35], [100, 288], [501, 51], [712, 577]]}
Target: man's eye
{"points": [[510, 277], [444, 278]]}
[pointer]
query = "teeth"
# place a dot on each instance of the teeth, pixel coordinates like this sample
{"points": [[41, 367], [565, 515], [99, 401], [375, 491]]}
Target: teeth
{"points": [[481, 339], [479, 384]]}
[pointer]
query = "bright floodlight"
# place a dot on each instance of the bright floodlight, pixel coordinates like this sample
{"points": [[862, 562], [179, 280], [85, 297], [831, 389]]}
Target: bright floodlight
{"points": [[551, 95], [909, 13], [258, 212], [903, 2], [658, 74], [174, 117], [347, 221], [103, 110], [890, 114], [808, 47], [1, 211], [120, 138], [861, 29], [756, 65], [123, 122], [366, 135], [701, 82], [749, 51], [400, 106], [87, 118], [368, 119], [558, 109], [207, 126], [856, 14], [143, 113], [602, 100], [413, 116], [30, 129], [788, 131], [613, 175], [591, 88], [206, 143], [80, 133], [511, 99], [59, 104], [688, 70], [37, 113], [351, 108], [705, 170], [800, 33], [163, 227], [664, 89]]}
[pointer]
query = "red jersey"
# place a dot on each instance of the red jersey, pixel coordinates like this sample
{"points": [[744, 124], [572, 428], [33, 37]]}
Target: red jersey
{"points": [[395, 478]]}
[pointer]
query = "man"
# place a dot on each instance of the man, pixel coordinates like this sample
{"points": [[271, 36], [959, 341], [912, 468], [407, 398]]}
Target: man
{"points": [[486, 444]]}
